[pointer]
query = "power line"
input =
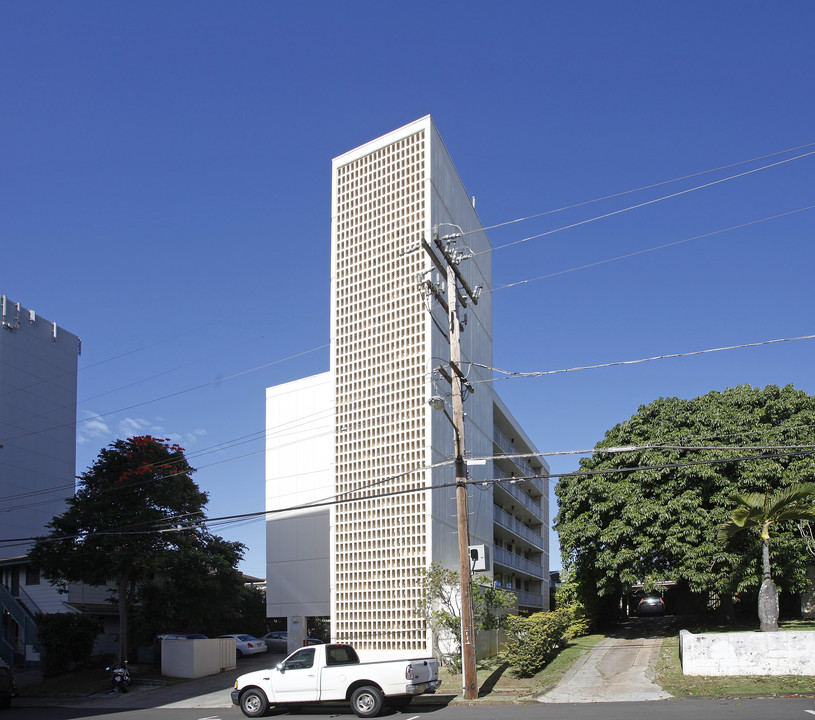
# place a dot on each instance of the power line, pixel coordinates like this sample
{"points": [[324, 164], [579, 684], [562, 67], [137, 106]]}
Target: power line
{"points": [[642, 204], [540, 373], [510, 375], [169, 395], [340, 500], [636, 190], [653, 249]]}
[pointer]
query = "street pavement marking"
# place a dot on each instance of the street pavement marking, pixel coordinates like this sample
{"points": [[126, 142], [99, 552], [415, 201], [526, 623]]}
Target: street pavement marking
{"points": [[811, 712]]}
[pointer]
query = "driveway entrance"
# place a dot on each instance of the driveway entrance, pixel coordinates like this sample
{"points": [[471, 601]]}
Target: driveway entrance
{"points": [[618, 669]]}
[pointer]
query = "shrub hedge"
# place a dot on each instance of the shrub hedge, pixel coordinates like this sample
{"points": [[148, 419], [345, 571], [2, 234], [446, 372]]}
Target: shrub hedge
{"points": [[533, 641]]}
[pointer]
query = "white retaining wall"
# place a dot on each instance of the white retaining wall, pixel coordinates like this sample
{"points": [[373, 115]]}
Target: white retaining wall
{"points": [[748, 653]]}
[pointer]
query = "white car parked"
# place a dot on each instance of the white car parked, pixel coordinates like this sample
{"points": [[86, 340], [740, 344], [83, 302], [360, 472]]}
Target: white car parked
{"points": [[246, 644]]}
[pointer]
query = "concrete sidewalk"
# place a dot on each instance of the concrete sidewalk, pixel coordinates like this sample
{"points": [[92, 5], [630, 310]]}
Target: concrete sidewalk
{"points": [[212, 691], [618, 669]]}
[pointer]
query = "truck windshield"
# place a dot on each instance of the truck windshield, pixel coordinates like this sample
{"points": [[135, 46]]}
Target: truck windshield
{"points": [[301, 660], [340, 655]]}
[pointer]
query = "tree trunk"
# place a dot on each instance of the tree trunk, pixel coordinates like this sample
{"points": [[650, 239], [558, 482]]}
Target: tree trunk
{"points": [[725, 611], [767, 595], [123, 591]]}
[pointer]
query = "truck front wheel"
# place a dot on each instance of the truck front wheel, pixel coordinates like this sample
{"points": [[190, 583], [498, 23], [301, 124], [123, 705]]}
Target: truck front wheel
{"points": [[366, 701], [254, 703]]}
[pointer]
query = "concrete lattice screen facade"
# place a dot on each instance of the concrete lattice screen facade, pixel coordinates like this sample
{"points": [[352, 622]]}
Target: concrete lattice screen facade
{"points": [[388, 452], [378, 364]]}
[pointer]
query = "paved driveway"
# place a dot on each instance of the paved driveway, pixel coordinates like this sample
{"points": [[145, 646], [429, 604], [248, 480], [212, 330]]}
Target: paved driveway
{"points": [[618, 669]]}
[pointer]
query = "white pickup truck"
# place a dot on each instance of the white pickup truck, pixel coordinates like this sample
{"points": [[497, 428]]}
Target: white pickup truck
{"points": [[333, 673]]}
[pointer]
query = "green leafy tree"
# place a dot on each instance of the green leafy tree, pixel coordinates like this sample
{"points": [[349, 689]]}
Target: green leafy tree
{"points": [[760, 512], [202, 566], [653, 512], [135, 513], [442, 604]]}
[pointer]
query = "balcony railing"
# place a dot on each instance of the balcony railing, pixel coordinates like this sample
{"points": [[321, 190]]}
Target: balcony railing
{"points": [[516, 527], [502, 441], [516, 562], [529, 599], [519, 495]]}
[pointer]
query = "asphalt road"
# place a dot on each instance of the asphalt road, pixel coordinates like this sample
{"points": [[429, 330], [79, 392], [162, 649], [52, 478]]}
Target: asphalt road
{"points": [[613, 682], [703, 708]]}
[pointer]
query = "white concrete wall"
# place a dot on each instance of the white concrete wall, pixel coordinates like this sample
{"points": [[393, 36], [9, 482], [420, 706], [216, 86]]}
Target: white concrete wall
{"points": [[748, 653], [299, 455], [197, 658]]}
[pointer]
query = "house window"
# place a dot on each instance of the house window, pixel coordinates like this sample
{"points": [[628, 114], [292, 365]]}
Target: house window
{"points": [[32, 575]]}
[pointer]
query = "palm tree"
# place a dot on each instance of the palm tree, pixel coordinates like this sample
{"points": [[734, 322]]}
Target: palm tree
{"points": [[759, 511]]}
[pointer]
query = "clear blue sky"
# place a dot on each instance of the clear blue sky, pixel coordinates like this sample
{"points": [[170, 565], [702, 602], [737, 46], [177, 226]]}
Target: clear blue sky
{"points": [[165, 195]]}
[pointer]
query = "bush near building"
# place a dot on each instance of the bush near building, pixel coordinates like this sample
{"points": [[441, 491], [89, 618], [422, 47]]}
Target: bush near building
{"points": [[533, 641], [66, 641]]}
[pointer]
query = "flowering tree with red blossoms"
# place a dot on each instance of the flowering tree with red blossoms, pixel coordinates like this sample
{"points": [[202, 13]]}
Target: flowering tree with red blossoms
{"points": [[131, 510]]}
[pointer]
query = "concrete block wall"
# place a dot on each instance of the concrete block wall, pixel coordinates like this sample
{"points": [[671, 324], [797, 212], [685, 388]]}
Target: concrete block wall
{"points": [[748, 653]]}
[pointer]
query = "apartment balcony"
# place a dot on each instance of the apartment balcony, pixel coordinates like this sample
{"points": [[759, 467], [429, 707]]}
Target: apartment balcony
{"points": [[505, 520], [511, 561], [529, 599], [511, 488], [502, 441]]}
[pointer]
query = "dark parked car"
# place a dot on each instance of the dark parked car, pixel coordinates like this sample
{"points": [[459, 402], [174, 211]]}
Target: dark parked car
{"points": [[181, 636], [8, 688], [277, 641], [651, 604]]}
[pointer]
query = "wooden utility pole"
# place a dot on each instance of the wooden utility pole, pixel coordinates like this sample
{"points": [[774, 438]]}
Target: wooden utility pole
{"points": [[456, 378], [467, 625]]}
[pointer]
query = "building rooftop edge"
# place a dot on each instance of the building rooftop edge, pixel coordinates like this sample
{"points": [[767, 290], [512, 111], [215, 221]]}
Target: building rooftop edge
{"points": [[382, 140], [8, 306]]}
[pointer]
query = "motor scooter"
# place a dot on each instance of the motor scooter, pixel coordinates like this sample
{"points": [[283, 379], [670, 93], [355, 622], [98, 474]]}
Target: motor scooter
{"points": [[119, 677]]}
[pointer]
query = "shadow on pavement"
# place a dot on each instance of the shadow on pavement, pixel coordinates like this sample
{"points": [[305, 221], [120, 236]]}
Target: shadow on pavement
{"points": [[647, 627], [212, 691]]}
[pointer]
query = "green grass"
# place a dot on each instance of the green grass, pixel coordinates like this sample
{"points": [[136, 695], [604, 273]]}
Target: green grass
{"points": [[670, 677], [497, 681]]}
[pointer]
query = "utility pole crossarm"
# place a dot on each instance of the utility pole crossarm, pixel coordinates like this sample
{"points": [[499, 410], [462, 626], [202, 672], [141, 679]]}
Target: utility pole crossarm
{"points": [[429, 250], [462, 376], [459, 276]]}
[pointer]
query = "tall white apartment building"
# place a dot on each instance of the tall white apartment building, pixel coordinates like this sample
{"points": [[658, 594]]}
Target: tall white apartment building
{"points": [[38, 365], [359, 478]]}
